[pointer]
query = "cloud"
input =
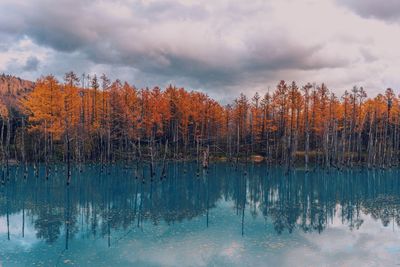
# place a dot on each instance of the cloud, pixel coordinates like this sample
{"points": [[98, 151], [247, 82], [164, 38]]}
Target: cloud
{"points": [[32, 64], [22, 57], [217, 46], [387, 10]]}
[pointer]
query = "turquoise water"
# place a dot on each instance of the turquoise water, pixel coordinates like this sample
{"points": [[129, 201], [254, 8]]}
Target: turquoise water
{"points": [[252, 216]]}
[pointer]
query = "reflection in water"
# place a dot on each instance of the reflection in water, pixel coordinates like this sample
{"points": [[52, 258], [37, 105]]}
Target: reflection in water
{"points": [[96, 205]]}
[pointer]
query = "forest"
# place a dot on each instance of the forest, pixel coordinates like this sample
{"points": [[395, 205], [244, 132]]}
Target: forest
{"points": [[88, 118]]}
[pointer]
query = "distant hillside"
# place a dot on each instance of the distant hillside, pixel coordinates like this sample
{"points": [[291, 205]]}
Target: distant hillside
{"points": [[12, 89]]}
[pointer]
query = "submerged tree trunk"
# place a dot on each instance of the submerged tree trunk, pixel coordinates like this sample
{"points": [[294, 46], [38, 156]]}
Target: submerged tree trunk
{"points": [[164, 173]]}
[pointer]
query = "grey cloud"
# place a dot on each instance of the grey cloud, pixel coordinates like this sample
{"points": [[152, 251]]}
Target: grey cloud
{"points": [[27, 70], [171, 9], [386, 9], [6, 41], [368, 55], [217, 46], [152, 38], [32, 64]]}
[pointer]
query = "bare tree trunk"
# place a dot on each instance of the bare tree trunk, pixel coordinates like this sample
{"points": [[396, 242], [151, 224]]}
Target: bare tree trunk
{"points": [[238, 145], [163, 173], [23, 152], [3, 152], [8, 147], [68, 158]]}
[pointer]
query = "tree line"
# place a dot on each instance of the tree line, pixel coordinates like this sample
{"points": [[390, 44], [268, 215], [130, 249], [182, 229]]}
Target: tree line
{"points": [[92, 119]]}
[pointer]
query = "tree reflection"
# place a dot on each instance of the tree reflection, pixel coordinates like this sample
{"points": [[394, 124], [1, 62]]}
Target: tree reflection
{"points": [[96, 204]]}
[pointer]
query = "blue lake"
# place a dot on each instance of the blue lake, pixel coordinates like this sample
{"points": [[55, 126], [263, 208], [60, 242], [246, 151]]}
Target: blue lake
{"points": [[252, 215]]}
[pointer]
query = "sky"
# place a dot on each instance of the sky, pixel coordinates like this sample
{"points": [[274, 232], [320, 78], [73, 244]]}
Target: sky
{"points": [[220, 47]]}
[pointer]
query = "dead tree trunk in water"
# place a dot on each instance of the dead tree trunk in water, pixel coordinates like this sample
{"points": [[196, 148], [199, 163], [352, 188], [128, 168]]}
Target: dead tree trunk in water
{"points": [[198, 156], [163, 173], [8, 147], [23, 152], [206, 156], [46, 151], [151, 158], [344, 131], [3, 153], [238, 146], [68, 159]]}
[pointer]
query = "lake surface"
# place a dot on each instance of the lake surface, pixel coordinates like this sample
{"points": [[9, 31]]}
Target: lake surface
{"points": [[250, 216]]}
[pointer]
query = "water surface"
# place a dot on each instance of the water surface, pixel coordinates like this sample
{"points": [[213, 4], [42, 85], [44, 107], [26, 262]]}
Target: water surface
{"points": [[250, 216]]}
